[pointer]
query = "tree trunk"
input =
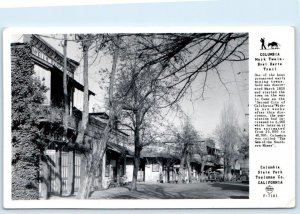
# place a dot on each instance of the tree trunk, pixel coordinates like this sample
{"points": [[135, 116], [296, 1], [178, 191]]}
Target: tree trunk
{"points": [[225, 170], [84, 189], [135, 169], [203, 164], [137, 151], [85, 111], [183, 160], [188, 163], [100, 147], [97, 156], [86, 185], [70, 183], [181, 175]]}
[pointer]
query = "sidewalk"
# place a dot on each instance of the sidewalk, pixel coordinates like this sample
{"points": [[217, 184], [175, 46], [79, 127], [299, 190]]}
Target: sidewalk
{"points": [[207, 190], [238, 183], [108, 193], [103, 194], [213, 190]]}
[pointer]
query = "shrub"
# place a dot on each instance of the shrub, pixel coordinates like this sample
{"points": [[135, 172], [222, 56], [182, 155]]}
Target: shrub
{"points": [[27, 97]]}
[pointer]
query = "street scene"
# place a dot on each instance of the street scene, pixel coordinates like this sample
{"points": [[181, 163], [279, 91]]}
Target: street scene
{"points": [[224, 190], [130, 116]]}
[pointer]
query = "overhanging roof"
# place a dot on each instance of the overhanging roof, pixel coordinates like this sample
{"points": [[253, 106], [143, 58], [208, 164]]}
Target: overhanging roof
{"points": [[117, 148], [79, 86], [44, 63]]}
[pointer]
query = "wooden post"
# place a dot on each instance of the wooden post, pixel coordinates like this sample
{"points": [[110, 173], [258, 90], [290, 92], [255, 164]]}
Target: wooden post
{"points": [[58, 176], [118, 170], [103, 185], [71, 166], [83, 168], [124, 165]]}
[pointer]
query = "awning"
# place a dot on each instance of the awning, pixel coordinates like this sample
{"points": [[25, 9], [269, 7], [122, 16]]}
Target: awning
{"points": [[116, 148], [196, 158], [79, 86]]}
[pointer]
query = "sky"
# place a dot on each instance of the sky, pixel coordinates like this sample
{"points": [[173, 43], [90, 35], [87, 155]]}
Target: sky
{"points": [[204, 113]]}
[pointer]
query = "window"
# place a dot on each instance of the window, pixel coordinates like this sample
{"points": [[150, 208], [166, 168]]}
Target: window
{"points": [[107, 169], [155, 168], [44, 76]]}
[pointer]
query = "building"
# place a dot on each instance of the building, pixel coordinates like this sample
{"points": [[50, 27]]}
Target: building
{"points": [[158, 166], [63, 163], [161, 163]]}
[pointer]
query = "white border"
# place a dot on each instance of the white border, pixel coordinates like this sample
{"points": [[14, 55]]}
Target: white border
{"points": [[45, 3], [255, 201]]}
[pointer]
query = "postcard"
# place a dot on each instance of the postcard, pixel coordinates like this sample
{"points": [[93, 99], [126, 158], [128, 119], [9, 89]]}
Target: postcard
{"points": [[178, 117]]}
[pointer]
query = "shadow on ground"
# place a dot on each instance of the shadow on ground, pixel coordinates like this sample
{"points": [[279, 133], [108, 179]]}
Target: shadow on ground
{"points": [[231, 187], [177, 191], [239, 197]]}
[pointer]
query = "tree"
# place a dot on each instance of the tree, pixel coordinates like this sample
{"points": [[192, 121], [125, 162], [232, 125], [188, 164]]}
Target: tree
{"points": [[153, 64], [227, 135], [86, 41], [200, 148], [244, 143], [188, 137], [180, 58], [27, 97], [161, 62], [99, 147], [138, 95]]}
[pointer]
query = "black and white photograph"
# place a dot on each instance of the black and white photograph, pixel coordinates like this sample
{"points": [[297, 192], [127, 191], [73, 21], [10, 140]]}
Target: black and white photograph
{"points": [[130, 116]]}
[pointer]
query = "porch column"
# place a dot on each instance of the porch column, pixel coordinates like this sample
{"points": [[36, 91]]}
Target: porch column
{"points": [[71, 169], [124, 165], [118, 170], [103, 185], [83, 165]]}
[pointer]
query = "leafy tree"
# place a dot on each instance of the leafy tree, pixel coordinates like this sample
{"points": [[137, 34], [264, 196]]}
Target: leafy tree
{"points": [[99, 148], [188, 137], [156, 63], [27, 97], [90, 44], [228, 136], [152, 65], [138, 95], [200, 148], [244, 143]]}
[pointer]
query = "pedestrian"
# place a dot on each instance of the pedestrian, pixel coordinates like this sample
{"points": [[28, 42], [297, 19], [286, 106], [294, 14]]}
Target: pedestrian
{"points": [[262, 40], [161, 177]]}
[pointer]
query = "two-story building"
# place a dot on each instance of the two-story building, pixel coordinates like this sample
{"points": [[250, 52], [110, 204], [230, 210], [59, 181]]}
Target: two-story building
{"points": [[63, 163]]}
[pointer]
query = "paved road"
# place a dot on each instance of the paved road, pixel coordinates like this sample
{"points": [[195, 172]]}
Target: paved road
{"points": [[177, 191]]}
